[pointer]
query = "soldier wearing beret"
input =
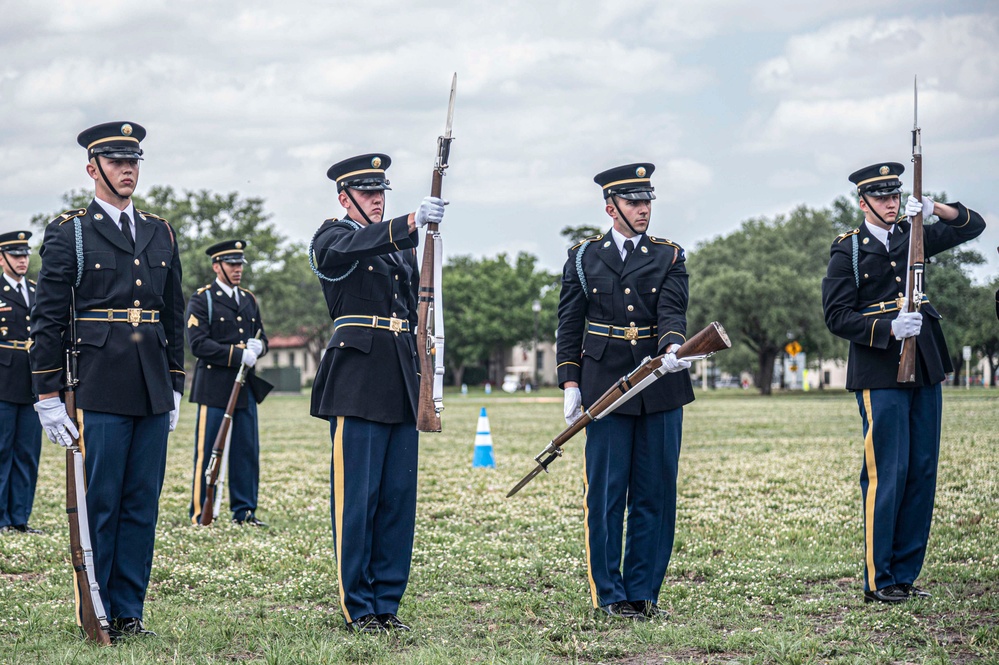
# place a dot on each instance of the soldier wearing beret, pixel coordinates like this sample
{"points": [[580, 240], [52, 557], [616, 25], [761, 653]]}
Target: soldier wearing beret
{"points": [[624, 298], [863, 295], [222, 323], [117, 270], [20, 431], [367, 385]]}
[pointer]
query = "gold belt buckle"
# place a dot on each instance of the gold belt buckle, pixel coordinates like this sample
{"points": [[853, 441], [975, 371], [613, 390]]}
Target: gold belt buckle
{"points": [[631, 333], [134, 316], [900, 302], [395, 325]]}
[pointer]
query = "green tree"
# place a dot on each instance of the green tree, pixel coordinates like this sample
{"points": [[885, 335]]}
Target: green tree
{"points": [[764, 284], [948, 285], [487, 307], [576, 234]]}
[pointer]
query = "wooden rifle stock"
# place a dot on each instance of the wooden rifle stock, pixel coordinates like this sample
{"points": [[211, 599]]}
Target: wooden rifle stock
{"points": [[218, 448], [708, 341], [427, 418], [914, 279], [94, 628]]}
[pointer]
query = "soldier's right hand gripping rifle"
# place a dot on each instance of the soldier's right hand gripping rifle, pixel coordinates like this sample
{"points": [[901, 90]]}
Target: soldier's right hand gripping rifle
{"points": [[91, 616], [705, 343]]}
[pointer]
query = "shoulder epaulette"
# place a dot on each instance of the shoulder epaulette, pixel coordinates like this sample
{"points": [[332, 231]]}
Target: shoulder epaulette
{"points": [[31, 281], [844, 236], [203, 289], [249, 292], [149, 214], [663, 241], [599, 236], [70, 214]]}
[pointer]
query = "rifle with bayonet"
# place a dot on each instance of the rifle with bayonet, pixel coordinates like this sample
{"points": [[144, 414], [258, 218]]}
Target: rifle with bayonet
{"points": [[218, 448], [706, 343], [90, 616], [430, 310], [914, 274]]}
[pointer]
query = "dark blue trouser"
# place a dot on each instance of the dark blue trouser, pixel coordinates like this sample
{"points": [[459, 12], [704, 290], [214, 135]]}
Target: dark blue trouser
{"points": [[20, 447], [244, 457], [630, 461], [125, 458], [373, 509], [898, 480]]}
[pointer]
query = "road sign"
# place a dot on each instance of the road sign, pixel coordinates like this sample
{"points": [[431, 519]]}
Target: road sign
{"points": [[792, 348], [967, 352]]}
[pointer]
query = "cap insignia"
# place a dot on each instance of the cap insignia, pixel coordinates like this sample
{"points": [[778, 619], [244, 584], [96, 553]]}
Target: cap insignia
{"points": [[640, 171], [126, 129], [884, 170], [20, 236], [239, 245], [376, 162]]}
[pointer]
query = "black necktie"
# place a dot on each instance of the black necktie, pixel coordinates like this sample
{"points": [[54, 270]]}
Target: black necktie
{"points": [[629, 247], [23, 293], [126, 230]]}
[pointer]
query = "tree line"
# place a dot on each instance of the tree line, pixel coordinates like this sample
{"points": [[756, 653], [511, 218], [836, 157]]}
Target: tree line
{"points": [[761, 281]]}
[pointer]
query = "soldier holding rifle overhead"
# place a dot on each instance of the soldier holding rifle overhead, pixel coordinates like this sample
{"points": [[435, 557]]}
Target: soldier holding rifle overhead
{"points": [[20, 432], [116, 271], [222, 319], [864, 299], [624, 298], [366, 386]]}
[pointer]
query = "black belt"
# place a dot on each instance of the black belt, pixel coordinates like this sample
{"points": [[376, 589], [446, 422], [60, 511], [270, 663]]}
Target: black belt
{"points": [[618, 332], [376, 322], [133, 315], [888, 306], [19, 344]]}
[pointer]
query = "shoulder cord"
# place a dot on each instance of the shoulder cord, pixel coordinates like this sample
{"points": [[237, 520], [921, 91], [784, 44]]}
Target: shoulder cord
{"points": [[579, 267], [78, 232], [312, 262], [209, 294], [856, 255]]}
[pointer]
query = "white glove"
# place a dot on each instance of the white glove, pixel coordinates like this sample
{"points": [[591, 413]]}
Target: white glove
{"points": [[56, 421], [907, 324], [431, 211], [175, 414], [255, 345], [572, 406], [672, 364], [914, 206], [249, 357]]}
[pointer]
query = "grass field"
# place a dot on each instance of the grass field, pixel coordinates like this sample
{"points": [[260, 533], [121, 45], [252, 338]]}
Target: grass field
{"points": [[766, 567]]}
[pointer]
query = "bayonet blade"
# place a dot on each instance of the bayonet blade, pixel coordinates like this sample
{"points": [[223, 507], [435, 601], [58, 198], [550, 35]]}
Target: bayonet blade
{"points": [[450, 106], [528, 478], [915, 102]]}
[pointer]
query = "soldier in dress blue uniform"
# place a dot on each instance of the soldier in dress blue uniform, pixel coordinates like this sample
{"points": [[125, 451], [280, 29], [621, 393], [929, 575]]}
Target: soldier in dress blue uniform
{"points": [[222, 321], [20, 431], [861, 295], [367, 385], [624, 298], [118, 269]]}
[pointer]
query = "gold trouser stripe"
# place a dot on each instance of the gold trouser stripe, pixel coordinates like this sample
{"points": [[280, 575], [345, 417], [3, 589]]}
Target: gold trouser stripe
{"points": [[199, 443], [337, 482], [872, 491], [76, 587], [586, 534]]}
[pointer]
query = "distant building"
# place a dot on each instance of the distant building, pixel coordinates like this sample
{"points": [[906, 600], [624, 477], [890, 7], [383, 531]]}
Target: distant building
{"points": [[289, 351]]}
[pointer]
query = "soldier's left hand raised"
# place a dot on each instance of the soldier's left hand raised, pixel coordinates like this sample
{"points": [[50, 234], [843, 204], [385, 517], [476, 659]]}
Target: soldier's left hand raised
{"points": [[175, 414], [914, 206], [431, 211]]}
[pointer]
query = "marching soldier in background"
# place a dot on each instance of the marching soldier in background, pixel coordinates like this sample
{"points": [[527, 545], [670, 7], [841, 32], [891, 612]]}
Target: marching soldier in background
{"points": [[20, 431], [862, 295], [624, 297], [118, 270], [367, 385], [222, 320]]}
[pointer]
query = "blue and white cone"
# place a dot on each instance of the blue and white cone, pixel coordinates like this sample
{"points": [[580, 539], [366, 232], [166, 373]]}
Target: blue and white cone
{"points": [[483, 456]]}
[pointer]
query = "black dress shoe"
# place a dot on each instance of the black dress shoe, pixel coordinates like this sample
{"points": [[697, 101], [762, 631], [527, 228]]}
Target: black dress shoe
{"points": [[893, 593], [650, 610], [24, 528], [369, 624], [914, 591], [129, 627], [7, 529], [249, 520], [620, 610], [392, 622]]}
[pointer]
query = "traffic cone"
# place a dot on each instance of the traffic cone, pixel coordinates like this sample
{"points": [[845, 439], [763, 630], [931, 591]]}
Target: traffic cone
{"points": [[483, 456]]}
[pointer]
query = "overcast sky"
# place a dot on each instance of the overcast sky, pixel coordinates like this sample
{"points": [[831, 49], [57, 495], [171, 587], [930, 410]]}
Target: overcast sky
{"points": [[747, 108]]}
